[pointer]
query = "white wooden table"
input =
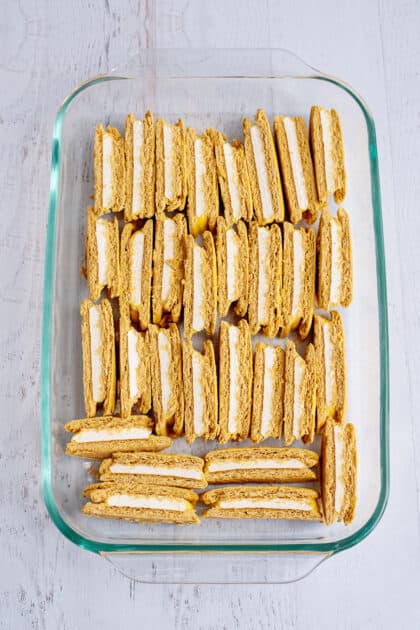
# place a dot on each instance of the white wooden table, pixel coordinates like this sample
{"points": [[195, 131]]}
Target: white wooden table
{"points": [[48, 47]]}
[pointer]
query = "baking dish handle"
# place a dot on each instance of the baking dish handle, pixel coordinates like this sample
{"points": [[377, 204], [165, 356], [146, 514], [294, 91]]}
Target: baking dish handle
{"points": [[216, 567]]}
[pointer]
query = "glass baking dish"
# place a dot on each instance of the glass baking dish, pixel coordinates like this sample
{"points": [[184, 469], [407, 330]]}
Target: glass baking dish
{"points": [[210, 88]]}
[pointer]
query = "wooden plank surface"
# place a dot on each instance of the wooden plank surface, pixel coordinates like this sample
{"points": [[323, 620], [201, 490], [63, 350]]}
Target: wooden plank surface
{"points": [[48, 47]]}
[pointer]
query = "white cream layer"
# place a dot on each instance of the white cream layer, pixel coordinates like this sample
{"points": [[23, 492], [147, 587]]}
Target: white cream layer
{"points": [[164, 348], [328, 149], [198, 394], [148, 502], [133, 363], [263, 274], [268, 391], [296, 161], [136, 266], [262, 173], [235, 379], [200, 178], [329, 354], [198, 300], [168, 154], [102, 247], [298, 396], [138, 144], [336, 262], [160, 471], [105, 435], [255, 464], [233, 180], [270, 504], [339, 467], [169, 237], [96, 344], [232, 265], [107, 156], [298, 274]]}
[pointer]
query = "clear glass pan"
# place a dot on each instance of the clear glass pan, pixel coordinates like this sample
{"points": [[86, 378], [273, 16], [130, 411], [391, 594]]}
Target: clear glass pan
{"points": [[210, 89]]}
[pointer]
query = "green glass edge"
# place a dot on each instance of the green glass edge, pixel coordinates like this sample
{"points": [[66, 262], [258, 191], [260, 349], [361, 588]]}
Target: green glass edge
{"points": [[328, 548]]}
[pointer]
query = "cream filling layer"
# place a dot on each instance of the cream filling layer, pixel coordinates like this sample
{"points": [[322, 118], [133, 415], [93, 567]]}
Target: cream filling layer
{"points": [[198, 299], [268, 391], [138, 144], [269, 504], [234, 377], [200, 178], [198, 394], [262, 173], [336, 262], [296, 161], [164, 349], [263, 275], [232, 265], [106, 435], [133, 363], [339, 467], [325, 116], [255, 464], [233, 180], [136, 266], [169, 159], [298, 396], [160, 471], [169, 237], [102, 247], [107, 155], [329, 355], [298, 274], [148, 502], [96, 344]]}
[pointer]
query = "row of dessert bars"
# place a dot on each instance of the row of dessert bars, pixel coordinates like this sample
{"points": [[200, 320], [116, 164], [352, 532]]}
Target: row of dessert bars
{"points": [[271, 393], [269, 274], [165, 167]]}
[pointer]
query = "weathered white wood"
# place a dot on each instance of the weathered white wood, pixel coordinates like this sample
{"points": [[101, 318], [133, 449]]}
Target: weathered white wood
{"points": [[48, 47]]}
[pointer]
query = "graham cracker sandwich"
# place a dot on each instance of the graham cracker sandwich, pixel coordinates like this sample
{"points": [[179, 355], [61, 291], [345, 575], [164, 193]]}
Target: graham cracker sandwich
{"points": [[233, 178], [166, 469], [203, 192], [136, 272], [140, 167], [168, 268], [109, 170], [299, 269], [339, 472], [262, 502], [232, 267], [260, 464], [331, 368], [200, 288], [135, 371], [102, 255], [299, 395], [95, 438], [268, 392], [167, 390], [296, 168], [328, 154], [200, 391], [235, 381], [171, 166], [141, 502], [265, 279], [335, 266], [98, 348], [263, 169]]}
